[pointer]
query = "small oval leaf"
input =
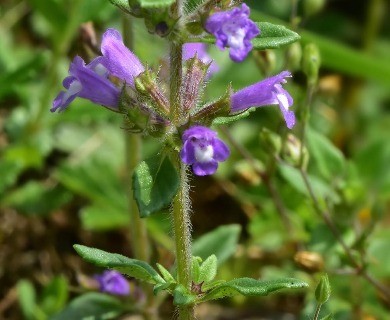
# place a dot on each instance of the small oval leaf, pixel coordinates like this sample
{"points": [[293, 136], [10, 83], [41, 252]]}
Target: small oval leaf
{"points": [[131, 267], [273, 36], [155, 183]]}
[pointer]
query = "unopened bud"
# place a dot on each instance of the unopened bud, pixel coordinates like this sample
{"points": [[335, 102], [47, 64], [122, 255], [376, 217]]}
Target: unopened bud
{"points": [[151, 92], [193, 83], [311, 7], [294, 56], [294, 153], [271, 140], [265, 60], [311, 62], [323, 290], [310, 261]]}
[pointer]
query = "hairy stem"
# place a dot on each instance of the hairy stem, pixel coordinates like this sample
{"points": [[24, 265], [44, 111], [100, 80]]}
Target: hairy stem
{"points": [[182, 234], [138, 233]]}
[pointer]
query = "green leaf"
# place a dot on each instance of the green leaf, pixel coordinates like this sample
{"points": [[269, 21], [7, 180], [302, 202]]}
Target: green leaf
{"points": [[251, 287], [329, 160], [27, 300], [155, 3], [122, 4], [103, 217], [208, 269], [93, 305], [294, 178], [131, 267], [222, 242], [182, 297], [273, 36], [55, 295], [225, 120], [163, 286], [195, 268], [165, 273], [155, 183]]}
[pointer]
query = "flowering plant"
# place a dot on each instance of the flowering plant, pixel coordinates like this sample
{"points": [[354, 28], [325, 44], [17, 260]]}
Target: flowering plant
{"points": [[179, 117]]}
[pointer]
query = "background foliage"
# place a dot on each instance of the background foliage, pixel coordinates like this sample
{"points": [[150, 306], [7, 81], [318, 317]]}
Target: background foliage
{"points": [[63, 176]]}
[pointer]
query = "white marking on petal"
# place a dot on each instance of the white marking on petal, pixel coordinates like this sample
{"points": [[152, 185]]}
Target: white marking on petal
{"points": [[74, 88], [234, 34], [100, 69], [283, 101], [204, 154]]}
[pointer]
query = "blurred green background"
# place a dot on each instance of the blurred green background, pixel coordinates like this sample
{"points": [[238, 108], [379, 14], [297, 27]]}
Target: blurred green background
{"points": [[63, 181]]}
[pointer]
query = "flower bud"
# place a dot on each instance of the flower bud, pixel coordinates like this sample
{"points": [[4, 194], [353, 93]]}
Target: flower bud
{"points": [[311, 7], [193, 83], [150, 91], [139, 118], [294, 56], [311, 62], [323, 290], [265, 60], [292, 152], [271, 140]]}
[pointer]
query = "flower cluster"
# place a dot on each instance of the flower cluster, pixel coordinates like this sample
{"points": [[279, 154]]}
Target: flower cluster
{"points": [[145, 102], [233, 29], [113, 282]]}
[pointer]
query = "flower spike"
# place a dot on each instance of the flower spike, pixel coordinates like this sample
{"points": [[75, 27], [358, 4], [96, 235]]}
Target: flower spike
{"points": [[203, 150], [233, 29], [266, 92]]}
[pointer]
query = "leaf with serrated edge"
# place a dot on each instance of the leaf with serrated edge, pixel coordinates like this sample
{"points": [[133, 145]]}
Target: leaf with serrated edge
{"points": [[251, 287], [131, 267], [208, 269], [165, 273]]}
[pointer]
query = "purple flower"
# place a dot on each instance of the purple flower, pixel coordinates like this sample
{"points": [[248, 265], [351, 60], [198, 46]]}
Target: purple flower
{"points": [[119, 60], [111, 281], [91, 81], [233, 29], [200, 49], [203, 150], [266, 92], [88, 82]]}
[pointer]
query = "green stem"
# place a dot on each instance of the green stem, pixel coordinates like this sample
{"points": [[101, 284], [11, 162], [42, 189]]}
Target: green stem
{"points": [[182, 234], [140, 243], [317, 312]]}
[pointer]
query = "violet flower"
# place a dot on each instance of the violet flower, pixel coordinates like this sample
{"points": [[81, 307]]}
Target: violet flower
{"points": [[118, 59], [266, 92], [203, 150], [233, 29], [113, 282], [200, 49], [88, 82], [92, 81]]}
